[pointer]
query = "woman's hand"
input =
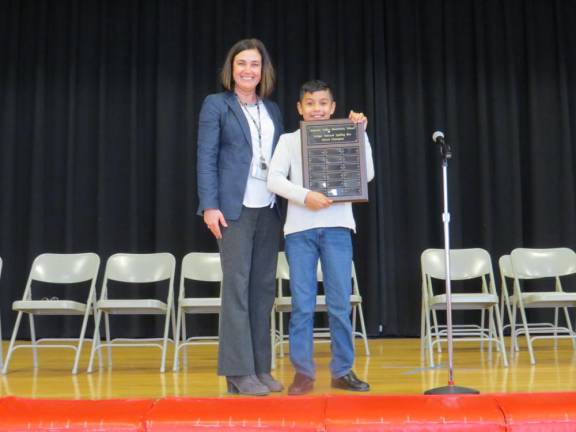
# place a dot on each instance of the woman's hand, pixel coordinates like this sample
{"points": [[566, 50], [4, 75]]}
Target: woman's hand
{"points": [[317, 201], [213, 218], [358, 118]]}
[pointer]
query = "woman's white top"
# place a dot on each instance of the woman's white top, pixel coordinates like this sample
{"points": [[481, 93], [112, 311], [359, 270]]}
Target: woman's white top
{"points": [[256, 193]]}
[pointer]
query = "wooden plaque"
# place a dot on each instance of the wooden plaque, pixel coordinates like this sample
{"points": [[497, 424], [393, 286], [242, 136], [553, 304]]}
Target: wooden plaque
{"points": [[334, 159]]}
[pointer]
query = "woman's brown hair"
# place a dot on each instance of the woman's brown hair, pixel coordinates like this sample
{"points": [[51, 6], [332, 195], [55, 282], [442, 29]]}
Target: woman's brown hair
{"points": [[268, 79]]}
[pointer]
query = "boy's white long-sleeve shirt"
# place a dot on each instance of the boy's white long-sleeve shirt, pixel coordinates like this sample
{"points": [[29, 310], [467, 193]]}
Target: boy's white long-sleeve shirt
{"points": [[285, 179]]}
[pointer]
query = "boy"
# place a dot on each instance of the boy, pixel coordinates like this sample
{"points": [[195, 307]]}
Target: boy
{"points": [[316, 228]]}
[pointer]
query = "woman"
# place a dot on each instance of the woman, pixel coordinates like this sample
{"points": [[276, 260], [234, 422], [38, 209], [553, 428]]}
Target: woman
{"points": [[238, 131]]}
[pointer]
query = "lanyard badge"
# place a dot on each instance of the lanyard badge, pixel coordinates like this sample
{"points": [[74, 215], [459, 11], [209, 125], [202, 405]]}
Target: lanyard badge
{"points": [[259, 166]]}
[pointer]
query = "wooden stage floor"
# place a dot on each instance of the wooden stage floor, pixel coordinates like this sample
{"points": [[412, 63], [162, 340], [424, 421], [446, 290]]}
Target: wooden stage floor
{"points": [[394, 367]]}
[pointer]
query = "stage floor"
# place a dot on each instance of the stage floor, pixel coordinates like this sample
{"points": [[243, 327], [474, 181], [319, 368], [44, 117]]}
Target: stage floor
{"points": [[394, 367]]}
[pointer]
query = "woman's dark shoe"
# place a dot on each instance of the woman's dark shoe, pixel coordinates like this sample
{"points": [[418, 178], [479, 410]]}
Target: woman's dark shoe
{"points": [[269, 381], [301, 385], [350, 382], [246, 385]]}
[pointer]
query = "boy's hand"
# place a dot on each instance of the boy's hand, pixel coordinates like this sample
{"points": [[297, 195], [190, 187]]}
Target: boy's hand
{"points": [[317, 201], [358, 118], [213, 219]]}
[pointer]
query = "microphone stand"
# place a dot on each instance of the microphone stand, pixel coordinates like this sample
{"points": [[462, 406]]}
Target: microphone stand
{"points": [[451, 388]]}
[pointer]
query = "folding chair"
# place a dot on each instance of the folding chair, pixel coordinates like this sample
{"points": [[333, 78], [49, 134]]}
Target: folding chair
{"points": [[204, 267], [283, 304], [136, 269], [506, 272], [531, 264], [61, 269], [466, 265]]}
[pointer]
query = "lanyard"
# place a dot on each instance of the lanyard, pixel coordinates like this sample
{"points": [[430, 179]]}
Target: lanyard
{"points": [[258, 124]]}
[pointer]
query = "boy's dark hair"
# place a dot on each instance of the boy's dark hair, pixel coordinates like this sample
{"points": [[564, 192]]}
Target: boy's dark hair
{"points": [[314, 86]]}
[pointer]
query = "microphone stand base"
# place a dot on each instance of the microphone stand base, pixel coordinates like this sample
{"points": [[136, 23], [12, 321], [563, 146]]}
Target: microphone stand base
{"points": [[451, 389]]}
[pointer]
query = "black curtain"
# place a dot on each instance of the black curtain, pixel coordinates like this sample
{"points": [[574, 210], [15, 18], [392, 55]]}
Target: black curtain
{"points": [[99, 104]]}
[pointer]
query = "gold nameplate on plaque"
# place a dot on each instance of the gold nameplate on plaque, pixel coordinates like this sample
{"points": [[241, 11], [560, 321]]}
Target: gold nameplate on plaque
{"points": [[334, 159]]}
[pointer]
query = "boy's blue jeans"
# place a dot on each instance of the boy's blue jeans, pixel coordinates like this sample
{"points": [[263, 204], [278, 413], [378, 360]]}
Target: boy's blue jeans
{"points": [[333, 246]]}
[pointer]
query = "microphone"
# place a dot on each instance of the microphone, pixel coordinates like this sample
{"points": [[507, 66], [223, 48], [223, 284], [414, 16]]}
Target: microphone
{"points": [[445, 148], [438, 137]]}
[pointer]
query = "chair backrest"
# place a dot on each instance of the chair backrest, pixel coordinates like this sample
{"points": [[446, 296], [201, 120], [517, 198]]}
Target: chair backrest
{"points": [[201, 266], [140, 268], [464, 263], [543, 263], [282, 268], [64, 268]]}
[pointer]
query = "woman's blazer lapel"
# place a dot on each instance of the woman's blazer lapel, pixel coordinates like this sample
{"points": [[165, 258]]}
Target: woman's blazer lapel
{"points": [[237, 110]]}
